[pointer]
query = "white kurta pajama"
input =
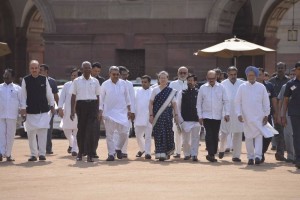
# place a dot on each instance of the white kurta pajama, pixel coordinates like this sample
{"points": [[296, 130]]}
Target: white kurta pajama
{"points": [[10, 102], [234, 127], [190, 132], [253, 104], [141, 122], [178, 85], [114, 99], [69, 127], [37, 125], [132, 102]]}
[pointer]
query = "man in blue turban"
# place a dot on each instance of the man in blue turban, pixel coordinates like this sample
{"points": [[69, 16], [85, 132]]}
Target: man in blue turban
{"points": [[252, 107]]}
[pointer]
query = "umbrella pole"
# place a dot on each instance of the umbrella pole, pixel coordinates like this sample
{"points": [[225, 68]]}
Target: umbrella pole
{"points": [[234, 58]]}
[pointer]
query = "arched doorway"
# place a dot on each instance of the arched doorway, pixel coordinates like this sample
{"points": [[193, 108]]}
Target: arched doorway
{"points": [[35, 42], [7, 34]]}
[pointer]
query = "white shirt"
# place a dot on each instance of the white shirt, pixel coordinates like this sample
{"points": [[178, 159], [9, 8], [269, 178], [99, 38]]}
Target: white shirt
{"points": [[49, 94], [65, 103], [178, 85], [252, 102], [85, 89], [114, 99], [142, 99], [10, 100], [234, 125], [132, 95], [211, 101]]}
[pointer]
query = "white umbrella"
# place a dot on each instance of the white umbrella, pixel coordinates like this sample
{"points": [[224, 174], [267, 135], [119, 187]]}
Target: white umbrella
{"points": [[234, 47]]}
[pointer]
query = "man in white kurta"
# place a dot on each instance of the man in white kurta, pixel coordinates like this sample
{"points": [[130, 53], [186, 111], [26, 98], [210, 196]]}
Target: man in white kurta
{"points": [[115, 111], [234, 126], [124, 73], [37, 100], [10, 102], [141, 122], [64, 109], [179, 85], [252, 106]]}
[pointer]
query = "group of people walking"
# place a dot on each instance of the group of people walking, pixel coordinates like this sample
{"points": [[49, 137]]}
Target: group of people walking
{"points": [[173, 113]]}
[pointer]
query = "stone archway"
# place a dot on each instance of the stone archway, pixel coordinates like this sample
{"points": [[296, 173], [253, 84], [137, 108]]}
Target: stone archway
{"points": [[223, 15], [269, 28]]}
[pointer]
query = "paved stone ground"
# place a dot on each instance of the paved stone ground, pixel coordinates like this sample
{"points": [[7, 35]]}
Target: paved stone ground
{"points": [[61, 177]]}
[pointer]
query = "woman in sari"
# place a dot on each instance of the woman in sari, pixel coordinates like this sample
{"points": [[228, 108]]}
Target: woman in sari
{"points": [[162, 104]]}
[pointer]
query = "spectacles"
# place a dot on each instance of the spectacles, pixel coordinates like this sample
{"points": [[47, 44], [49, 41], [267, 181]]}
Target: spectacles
{"points": [[115, 74], [182, 72]]}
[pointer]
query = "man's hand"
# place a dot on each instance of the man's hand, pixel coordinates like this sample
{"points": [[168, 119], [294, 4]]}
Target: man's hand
{"points": [[283, 121], [52, 110], [265, 120], [226, 118], [129, 115], [201, 121], [100, 115], [72, 116], [241, 118], [132, 116], [23, 112], [60, 112]]}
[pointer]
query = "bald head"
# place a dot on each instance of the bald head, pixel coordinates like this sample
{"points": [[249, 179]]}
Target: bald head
{"points": [[211, 77], [34, 68]]}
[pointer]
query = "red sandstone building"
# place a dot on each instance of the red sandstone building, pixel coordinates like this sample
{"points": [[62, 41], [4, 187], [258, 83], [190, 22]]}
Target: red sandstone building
{"points": [[147, 36]]}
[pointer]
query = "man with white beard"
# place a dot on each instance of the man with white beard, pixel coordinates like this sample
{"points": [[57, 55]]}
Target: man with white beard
{"points": [[141, 122], [252, 107], [179, 85], [233, 127]]}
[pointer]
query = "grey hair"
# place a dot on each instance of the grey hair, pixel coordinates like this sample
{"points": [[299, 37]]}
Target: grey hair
{"points": [[163, 72], [113, 68], [86, 63]]}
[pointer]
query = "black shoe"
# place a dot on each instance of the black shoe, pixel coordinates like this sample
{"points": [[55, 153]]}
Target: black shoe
{"points": [[297, 164], [49, 152], [9, 159], [289, 160], [279, 157], [110, 158], [32, 158], [95, 156], [79, 157], [1, 157], [74, 153], [273, 148], [89, 159], [69, 150], [262, 158], [194, 158], [176, 155], [162, 159], [251, 162], [148, 157], [124, 155], [211, 158], [139, 154], [236, 160], [257, 161], [227, 150], [187, 157], [221, 155], [42, 158], [119, 154]]}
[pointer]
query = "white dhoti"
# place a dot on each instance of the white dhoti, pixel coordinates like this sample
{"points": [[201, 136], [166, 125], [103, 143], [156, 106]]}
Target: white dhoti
{"points": [[177, 139], [71, 135], [254, 147], [144, 143], [237, 137], [190, 138], [7, 134], [113, 128], [36, 126]]}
